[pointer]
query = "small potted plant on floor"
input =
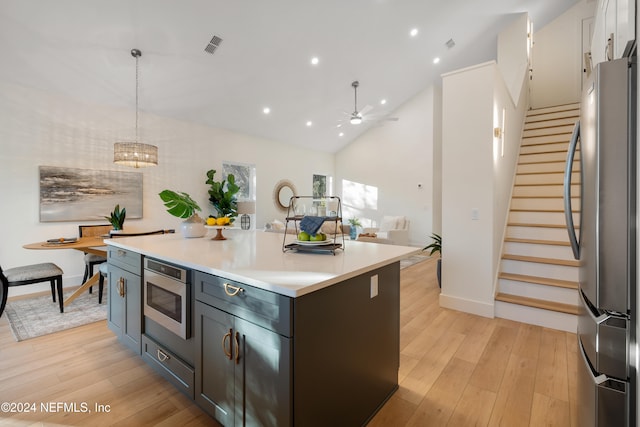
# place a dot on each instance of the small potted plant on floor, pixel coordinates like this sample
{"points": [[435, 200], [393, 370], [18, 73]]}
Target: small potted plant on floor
{"points": [[116, 218], [181, 205], [436, 248]]}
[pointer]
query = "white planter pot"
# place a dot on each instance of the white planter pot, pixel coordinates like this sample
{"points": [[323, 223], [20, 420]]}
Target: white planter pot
{"points": [[193, 227]]}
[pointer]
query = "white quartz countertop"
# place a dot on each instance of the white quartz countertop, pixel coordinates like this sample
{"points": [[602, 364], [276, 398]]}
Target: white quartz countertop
{"points": [[256, 258]]}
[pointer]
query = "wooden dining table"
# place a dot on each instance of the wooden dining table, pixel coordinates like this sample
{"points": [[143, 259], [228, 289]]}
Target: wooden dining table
{"points": [[93, 245]]}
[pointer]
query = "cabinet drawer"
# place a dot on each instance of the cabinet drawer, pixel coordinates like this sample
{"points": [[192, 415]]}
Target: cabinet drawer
{"points": [[167, 364], [263, 308], [128, 260]]}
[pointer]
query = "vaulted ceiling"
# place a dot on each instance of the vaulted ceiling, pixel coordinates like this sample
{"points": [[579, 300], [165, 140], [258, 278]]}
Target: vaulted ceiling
{"points": [[81, 49]]}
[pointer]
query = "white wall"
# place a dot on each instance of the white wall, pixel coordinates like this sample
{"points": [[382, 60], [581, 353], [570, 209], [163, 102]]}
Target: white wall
{"points": [[45, 129], [478, 168], [395, 159], [557, 58]]}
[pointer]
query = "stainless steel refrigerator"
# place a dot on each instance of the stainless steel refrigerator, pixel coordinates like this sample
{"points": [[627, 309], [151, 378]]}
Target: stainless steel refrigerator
{"points": [[603, 239]]}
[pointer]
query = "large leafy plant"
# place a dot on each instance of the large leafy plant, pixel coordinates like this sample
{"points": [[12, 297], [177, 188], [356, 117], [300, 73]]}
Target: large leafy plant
{"points": [[222, 194], [116, 218], [179, 204]]}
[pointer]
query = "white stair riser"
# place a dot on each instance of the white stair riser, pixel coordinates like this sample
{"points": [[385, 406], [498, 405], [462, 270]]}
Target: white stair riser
{"points": [[558, 156], [556, 146], [547, 178], [548, 131], [546, 121], [544, 190], [537, 233], [535, 316], [546, 139], [536, 116], [543, 292], [546, 167], [538, 250], [537, 204], [569, 109], [541, 217], [551, 271]]}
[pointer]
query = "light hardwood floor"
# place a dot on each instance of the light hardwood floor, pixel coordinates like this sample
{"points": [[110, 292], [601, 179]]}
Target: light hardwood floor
{"points": [[456, 369]]}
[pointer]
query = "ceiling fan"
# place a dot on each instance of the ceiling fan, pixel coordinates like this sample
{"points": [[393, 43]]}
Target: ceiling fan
{"points": [[358, 117]]}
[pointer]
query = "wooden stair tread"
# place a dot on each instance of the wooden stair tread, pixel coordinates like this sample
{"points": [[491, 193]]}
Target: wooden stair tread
{"points": [[528, 224], [536, 241], [568, 284], [537, 303], [540, 260], [542, 210]]}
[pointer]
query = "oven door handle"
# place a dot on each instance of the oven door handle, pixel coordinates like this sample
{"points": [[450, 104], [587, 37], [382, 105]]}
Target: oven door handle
{"points": [[224, 347]]}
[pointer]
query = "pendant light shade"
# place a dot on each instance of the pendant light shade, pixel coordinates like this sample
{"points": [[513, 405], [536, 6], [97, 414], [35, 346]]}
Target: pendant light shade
{"points": [[135, 153]]}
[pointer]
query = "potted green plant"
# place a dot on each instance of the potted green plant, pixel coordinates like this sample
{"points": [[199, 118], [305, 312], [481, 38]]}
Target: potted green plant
{"points": [[116, 218], [222, 194], [181, 205], [436, 248], [353, 231]]}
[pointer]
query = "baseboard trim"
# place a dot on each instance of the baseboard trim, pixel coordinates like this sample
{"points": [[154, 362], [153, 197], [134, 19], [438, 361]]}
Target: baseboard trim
{"points": [[468, 306]]}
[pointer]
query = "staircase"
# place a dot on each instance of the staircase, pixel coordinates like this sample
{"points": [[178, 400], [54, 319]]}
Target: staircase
{"points": [[538, 279]]}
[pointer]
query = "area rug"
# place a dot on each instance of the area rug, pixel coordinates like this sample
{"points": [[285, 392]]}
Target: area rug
{"points": [[412, 260], [37, 316]]}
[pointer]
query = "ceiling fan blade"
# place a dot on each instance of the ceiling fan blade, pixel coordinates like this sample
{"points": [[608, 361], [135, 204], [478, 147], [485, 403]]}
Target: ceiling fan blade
{"points": [[365, 110]]}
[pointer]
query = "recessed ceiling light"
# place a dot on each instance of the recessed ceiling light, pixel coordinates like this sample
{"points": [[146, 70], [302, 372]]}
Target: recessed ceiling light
{"points": [[309, 123], [341, 134], [315, 60], [383, 101], [436, 60], [266, 110], [413, 32], [339, 125]]}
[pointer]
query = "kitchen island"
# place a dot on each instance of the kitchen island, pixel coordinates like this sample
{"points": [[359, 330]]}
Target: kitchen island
{"points": [[279, 338]]}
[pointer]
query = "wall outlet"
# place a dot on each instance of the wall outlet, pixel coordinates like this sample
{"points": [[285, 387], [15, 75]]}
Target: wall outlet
{"points": [[374, 286]]}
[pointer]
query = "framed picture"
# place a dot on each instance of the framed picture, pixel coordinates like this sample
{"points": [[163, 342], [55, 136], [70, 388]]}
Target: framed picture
{"points": [[69, 194], [245, 175]]}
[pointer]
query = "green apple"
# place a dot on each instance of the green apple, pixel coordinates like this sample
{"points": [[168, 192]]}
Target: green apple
{"points": [[319, 237], [303, 236]]}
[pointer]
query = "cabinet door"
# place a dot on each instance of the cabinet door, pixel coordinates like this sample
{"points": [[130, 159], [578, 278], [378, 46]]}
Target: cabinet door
{"points": [[115, 303], [214, 364], [125, 307], [132, 333], [263, 377]]}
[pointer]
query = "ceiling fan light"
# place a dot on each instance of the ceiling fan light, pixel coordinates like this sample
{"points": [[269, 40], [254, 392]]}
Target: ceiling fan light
{"points": [[355, 120]]}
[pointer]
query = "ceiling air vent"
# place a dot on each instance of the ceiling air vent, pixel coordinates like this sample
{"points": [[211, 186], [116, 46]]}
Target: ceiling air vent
{"points": [[213, 45], [450, 43]]}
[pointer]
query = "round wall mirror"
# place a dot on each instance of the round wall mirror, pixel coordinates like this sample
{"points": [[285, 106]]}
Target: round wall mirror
{"points": [[282, 194]]}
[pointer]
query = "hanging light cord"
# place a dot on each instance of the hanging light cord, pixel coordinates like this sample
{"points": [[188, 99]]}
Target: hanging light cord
{"points": [[136, 53]]}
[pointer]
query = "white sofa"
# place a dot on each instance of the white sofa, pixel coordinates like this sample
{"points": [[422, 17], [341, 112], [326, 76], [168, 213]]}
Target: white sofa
{"points": [[393, 230]]}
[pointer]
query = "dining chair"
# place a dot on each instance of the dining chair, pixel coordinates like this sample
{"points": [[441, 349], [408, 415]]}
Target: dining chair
{"points": [[91, 260], [104, 267], [29, 274]]}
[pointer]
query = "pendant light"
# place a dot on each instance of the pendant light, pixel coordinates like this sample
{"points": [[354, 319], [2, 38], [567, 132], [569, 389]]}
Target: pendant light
{"points": [[135, 153]]}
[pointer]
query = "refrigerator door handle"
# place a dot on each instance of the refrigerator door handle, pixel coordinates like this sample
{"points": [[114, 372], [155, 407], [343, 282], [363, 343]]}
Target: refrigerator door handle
{"points": [[568, 214]]}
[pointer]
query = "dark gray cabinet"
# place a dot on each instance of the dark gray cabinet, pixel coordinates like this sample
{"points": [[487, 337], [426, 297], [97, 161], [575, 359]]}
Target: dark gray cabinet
{"points": [[124, 316], [243, 370]]}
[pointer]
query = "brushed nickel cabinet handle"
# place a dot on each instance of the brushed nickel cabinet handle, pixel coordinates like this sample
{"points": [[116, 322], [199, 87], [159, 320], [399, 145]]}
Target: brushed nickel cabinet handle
{"points": [[224, 347], [162, 356], [237, 348], [231, 290], [122, 253]]}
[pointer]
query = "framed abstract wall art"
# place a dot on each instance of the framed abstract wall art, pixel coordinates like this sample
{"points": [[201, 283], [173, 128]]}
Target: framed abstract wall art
{"points": [[69, 194]]}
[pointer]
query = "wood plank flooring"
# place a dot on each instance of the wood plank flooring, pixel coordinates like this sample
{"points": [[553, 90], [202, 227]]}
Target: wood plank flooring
{"points": [[456, 369]]}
